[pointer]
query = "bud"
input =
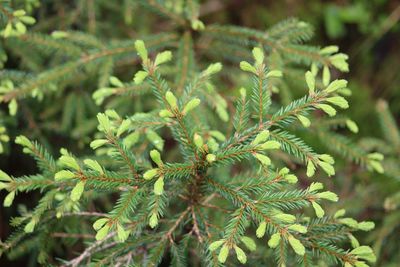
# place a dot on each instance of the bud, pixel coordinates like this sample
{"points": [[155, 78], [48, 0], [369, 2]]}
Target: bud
{"points": [[310, 80], [362, 250], [8, 200], [290, 178], [198, 25], [99, 223], [345, 92], [28, 20], [64, 151], [140, 76], [314, 69], [369, 257], [216, 244], [327, 109], [121, 233], [261, 137], [274, 74], [375, 156], [159, 186], [246, 66], [3, 185], [165, 113], [316, 186], [328, 168], [304, 120], [376, 165], [327, 158], [349, 222], [354, 242], [326, 76], [104, 122], [94, 165], [258, 55], [223, 254], [8, 30], [310, 169], [328, 196], [29, 227], [4, 138], [150, 174], [153, 222], [338, 101], [218, 135], [13, 107], [211, 158], [111, 113], [116, 82], [288, 218], [339, 213], [192, 104], [23, 141], [260, 232], [283, 171], [20, 27], [156, 157], [125, 124], [4, 177], [76, 193], [98, 143], [171, 99], [220, 108], [366, 226], [163, 57], [240, 255], [59, 34], [352, 126], [296, 245], [270, 145], [213, 69], [273, 242], [249, 243], [318, 209], [329, 50], [19, 13], [69, 162], [141, 49], [102, 233], [340, 62], [298, 228], [198, 140], [264, 160], [336, 85], [62, 175]]}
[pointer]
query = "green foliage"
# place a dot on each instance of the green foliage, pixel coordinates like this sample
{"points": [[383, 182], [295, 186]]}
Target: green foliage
{"points": [[387, 200], [171, 178]]}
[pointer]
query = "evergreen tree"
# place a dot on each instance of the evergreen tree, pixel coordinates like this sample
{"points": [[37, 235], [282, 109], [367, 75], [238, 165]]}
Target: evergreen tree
{"points": [[201, 168]]}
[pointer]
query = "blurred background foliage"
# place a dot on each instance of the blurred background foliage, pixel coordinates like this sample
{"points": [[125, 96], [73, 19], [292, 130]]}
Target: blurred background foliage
{"points": [[368, 31]]}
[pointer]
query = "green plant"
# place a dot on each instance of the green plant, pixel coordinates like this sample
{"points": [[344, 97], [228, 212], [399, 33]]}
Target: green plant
{"points": [[224, 184], [385, 188], [191, 186]]}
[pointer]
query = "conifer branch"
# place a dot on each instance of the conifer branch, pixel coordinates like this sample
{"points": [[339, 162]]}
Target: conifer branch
{"points": [[176, 182]]}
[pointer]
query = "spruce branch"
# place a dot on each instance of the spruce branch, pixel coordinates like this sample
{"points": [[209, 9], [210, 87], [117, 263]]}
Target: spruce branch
{"points": [[70, 68], [176, 181]]}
